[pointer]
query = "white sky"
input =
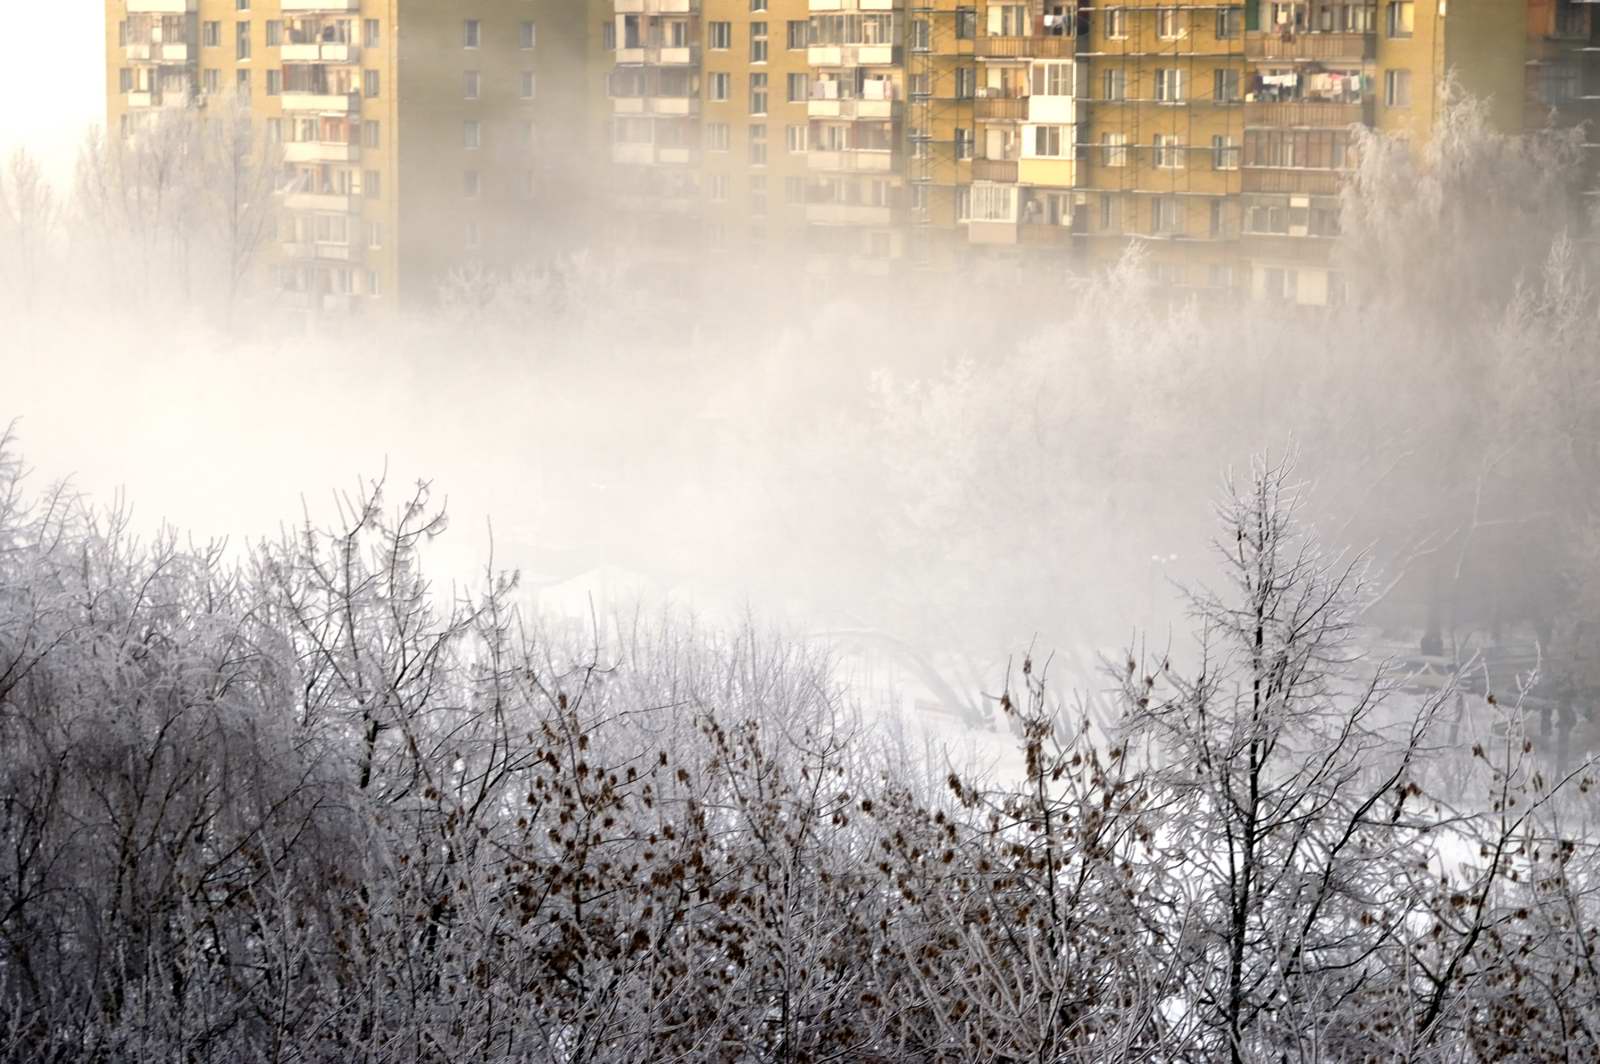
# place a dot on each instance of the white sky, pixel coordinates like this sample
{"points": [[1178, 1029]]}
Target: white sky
{"points": [[52, 85]]}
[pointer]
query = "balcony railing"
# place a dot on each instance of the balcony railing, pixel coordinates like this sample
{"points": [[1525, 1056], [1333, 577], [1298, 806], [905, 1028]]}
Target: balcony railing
{"points": [[1311, 182], [1003, 170], [1312, 113], [994, 108], [1025, 47], [1311, 46]]}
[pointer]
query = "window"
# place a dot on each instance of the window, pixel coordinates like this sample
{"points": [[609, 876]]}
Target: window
{"points": [[274, 131], [966, 23], [529, 135], [720, 35], [963, 143], [717, 190], [471, 184], [1108, 214], [211, 82], [371, 135], [921, 35], [528, 36], [1169, 84], [274, 82], [472, 84], [471, 33], [1216, 218], [530, 85], [124, 80], [1116, 23], [758, 42], [799, 88], [794, 190], [758, 94], [1047, 142], [1166, 216], [1169, 151], [211, 34], [241, 82], [758, 144], [608, 36], [717, 136], [1397, 88], [797, 137], [370, 83], [1229, 22], [472, 134], [1052, 79], [274, 33], [717, 87], [1167, 24], [966, 83], [1225, 84], [1010, 20], [1280, 284], [473, 236], [758, 5], [758, 194], [798, 29], [1114, 84], [372, 184], [241, 40], [370, 35], [1402, 13], [1113, 149], [1224, 153]]}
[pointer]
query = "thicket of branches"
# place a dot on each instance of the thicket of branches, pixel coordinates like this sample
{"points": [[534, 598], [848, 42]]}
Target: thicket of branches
{"points": [[309, 808]]}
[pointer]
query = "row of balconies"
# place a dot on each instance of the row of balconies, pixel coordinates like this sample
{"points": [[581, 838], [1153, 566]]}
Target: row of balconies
{"points": [[181, 7], [291, 53], [852, 55], [655, 7], [648, 154]]}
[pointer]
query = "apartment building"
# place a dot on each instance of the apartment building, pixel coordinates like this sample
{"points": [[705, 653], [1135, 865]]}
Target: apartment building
{"points": [[709, 130], [1214, 134], [415, 136]]}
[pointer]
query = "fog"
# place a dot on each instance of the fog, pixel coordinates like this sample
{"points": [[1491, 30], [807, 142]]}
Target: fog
{"points": [[1024, 660]]}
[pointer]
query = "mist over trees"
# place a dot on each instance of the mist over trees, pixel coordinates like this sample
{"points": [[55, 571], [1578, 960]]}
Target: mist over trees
{"points": [[333, 795]]}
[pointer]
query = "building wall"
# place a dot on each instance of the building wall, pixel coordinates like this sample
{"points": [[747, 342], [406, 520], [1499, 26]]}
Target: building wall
{"points": [[366, 100]]}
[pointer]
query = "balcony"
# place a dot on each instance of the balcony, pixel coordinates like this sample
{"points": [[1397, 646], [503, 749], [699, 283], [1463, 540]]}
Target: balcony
{"points": [[675, 106], [852, 109], [655, 7], [1025, 47], [1048, 173], [848, 214], [852, 55], [318, 201], [633, 154], [322, 252], [856, 5], [1311, 46], [162, 7], [310, 6], [324, 52], [1002, 108], [672, 56], [158, 98], [326, 103], [992, 233], [1308, 113], [855, 161], [320, 152], [1314, 182], [1003, 171]]}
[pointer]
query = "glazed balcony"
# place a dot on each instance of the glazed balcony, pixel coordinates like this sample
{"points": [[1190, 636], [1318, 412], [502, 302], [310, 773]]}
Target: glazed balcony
{"points": [[655, 7], [313, 6], [162, 7]]}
